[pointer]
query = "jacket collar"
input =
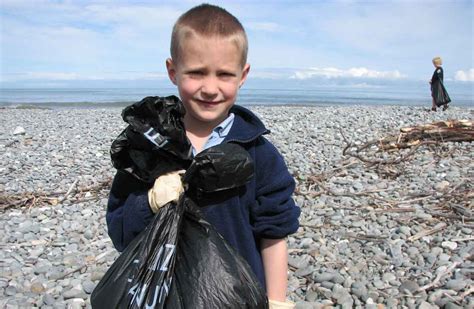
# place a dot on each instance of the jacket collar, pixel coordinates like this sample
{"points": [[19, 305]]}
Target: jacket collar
{"points": [[247, 127]]}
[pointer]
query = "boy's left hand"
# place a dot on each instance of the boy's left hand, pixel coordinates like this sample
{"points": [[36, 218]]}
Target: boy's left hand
{"points": [[167, 188]]}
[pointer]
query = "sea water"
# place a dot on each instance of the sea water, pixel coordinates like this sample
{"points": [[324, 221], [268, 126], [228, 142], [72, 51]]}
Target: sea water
{"points": [[268, 94]]}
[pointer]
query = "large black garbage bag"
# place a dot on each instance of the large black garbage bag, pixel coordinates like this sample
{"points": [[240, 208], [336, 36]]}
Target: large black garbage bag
{"points": [[155, 141], [142, 275], [208, 272], [179, 260], [440, 94]]}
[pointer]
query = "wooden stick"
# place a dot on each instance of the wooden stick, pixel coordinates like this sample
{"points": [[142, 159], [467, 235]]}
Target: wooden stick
{"points": [[467, 292], [69, 190], [463, 239], [438, 277], [396, 210], [439, 227]]}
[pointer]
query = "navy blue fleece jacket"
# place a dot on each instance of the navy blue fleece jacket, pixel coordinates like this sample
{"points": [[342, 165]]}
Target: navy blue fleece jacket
{"points": [[263, 209]]}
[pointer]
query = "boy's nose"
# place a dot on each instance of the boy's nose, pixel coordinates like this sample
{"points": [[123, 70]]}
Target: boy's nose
{"points": [[209, 87]]}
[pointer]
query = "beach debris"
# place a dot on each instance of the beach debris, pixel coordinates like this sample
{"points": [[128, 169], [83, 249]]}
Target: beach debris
{"points": [[437, 280], [439, 227], [19, 131], [410, 137], [30, 200], [444, 201]]}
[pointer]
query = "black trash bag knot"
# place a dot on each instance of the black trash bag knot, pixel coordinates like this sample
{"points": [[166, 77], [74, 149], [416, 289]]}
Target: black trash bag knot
{"points": [[155, 142]]}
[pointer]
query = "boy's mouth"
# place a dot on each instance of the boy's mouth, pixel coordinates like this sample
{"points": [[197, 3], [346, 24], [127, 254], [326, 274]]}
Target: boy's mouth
{"points": [[208, 102]]}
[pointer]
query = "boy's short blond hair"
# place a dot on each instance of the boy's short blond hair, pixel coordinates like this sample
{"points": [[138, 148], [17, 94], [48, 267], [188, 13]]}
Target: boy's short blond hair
{"points": [[209, 21], [437, 61]]}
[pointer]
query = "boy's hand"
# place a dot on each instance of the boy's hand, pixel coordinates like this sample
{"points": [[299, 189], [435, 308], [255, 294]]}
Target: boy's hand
{"points": [[167, 188]]}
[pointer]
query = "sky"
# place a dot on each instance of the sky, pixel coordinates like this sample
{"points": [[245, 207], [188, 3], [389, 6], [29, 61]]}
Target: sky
{"points": [[46, 42]]}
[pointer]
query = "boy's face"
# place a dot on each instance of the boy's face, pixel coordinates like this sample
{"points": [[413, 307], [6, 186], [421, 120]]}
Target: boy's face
{"points": [[208, 74]]}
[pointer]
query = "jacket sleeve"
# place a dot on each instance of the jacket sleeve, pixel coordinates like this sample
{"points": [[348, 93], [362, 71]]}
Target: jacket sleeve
{"points": [[128, 211], [274, 215]]}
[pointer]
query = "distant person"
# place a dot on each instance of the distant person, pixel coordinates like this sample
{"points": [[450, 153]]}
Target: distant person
{"points": [[208, 64], [439, 94]]}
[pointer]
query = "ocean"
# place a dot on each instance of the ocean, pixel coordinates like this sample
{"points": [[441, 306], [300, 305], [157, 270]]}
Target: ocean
{"points": [[414, 95]]}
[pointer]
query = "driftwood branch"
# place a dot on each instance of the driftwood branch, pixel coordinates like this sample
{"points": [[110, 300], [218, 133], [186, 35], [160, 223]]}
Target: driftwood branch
{"points": [[439, 277], [439, 227], [69, 190], [413, 138], [40, 198]]}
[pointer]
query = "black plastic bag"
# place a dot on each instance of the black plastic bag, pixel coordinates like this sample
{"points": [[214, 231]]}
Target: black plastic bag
{"points": [[440, 95], [179, 260], [155, 141]]}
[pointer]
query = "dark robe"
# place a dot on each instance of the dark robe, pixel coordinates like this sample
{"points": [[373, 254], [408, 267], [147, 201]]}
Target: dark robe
{"points": [[438, 92]]}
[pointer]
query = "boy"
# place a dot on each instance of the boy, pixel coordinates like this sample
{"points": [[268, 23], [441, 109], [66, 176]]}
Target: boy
{"points": [[208, 64]]}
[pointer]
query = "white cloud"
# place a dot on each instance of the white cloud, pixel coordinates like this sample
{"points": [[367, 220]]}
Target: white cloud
{"points": [[465, 76], [360, 72]]}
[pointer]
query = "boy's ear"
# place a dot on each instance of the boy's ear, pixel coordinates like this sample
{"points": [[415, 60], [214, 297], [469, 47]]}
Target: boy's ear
{"points": [[245, 72], [171, 70]]}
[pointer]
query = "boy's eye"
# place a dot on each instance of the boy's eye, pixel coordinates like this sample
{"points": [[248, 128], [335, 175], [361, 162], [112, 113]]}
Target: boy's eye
{"points": [[226, 74], [195, 73]]}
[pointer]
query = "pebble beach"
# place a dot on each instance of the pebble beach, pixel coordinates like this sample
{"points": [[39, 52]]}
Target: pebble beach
{"points": [[372, 235]]}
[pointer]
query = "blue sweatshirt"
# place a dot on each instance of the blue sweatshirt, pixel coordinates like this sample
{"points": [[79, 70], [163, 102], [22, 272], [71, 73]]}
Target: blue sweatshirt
{"points": [[263, 209]]}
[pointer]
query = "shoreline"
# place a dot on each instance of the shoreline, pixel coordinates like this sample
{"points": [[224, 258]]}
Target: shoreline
{"points": [[113, 105]]}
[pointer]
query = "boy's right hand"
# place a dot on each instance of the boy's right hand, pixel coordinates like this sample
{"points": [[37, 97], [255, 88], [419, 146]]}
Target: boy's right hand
{"points": [[167, 188]]}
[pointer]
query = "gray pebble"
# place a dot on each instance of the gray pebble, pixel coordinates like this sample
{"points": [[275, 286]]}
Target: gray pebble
{"points": [[88, 286], [301, 272], [408, 286], [426, 305], [48, 299], [303, 305], [323, 277], [455, 285], [359, 289], [74, 293]]}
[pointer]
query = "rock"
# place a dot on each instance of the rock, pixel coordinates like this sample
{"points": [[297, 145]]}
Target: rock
{"points": [[311, 296], [323, 277], [76, 303], [451, 245], [298, 262], [97, 275], [405, 230], [48, 299], [342, 296], [37, 287], [88, 286], [408, 286], [74, 293], [455, 284], [304, 272], [10, 290], [303, 305], [19, 131], [359, 290], [426, 305], [442, 186], [450, 305]]}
